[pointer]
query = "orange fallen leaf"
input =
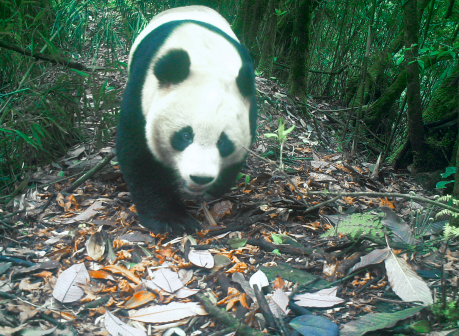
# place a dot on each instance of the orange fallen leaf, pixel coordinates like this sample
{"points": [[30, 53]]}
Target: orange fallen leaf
{"points": [[279, 283], [123, 271], [101, 274], [44, 274], [234, 296], [386, 202], [139, 299]]}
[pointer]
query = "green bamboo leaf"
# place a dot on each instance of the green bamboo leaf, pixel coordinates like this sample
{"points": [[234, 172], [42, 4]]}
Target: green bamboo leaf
{"points": [[81, 73], [289, 130], [26, 138], [36, 134]]}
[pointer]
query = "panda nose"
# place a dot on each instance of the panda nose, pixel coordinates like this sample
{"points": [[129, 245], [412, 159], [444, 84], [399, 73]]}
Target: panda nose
{"points": [[201, 180]]}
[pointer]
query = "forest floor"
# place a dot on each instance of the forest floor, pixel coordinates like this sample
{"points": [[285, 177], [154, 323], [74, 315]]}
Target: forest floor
{"points": [[328, 243]]}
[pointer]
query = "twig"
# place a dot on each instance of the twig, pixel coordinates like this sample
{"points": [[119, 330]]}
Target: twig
{"points": [[282, 173], [381, 194], [41, 56], [317, 206], [90, 173], [264, 307]]}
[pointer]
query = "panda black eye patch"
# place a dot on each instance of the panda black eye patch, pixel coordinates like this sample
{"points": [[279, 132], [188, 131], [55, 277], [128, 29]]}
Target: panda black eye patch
{"points": [[173, 68], [182, 139], [225, 145]]}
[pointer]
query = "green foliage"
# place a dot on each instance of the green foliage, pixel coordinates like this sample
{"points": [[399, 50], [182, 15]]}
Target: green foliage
{"points": [[449, 171], [44, 107], [450, 232], [451, 201], [421, 221], [356, 225], [246, 178], [281, 137], [449, 314]]}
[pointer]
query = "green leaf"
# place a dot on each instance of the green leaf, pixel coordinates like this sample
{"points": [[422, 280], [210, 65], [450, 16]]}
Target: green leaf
{"points": [[26, 138], [377, 321], [276, 239], [314, 325], [289, 130], [247, 179], [422, 326], [237, 242], [448, 172], [399, 60], [81, 73], [421, 64], [276, 251], [442, 184]]}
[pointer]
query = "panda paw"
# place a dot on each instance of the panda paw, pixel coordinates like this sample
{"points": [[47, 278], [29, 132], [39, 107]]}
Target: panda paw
{"points": [[172, 223]]}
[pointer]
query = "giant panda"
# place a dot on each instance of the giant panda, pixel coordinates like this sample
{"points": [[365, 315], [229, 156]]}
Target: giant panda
{"points": [[188, 113]]}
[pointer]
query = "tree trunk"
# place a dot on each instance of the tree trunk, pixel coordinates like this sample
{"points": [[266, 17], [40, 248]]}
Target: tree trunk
{"points": [[377, 109], [299, 51], [269, 40], [380, 59], [413, 89]]}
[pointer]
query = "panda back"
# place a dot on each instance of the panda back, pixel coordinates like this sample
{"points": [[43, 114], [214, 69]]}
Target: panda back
{"points": [[195, 13]]}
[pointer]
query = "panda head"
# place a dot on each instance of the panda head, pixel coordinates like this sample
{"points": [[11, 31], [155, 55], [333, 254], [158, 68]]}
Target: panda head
{"points": [[197, 117]]}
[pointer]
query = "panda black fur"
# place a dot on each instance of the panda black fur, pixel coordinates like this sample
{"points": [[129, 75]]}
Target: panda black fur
{"points": [[188, 110]]}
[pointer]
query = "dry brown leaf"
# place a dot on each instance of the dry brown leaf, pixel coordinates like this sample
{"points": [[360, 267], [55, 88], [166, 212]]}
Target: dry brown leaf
{"points": [[386, 203], [139, 299], [44, 274], [279, 283], [124, 272], [25, 312], [101, 274], [234, 296], [221, 209], [27, 286]]}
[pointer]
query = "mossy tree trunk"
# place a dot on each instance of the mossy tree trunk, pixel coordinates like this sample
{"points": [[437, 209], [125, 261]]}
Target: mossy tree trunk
{"points": [[381, 106], [247, 22], [326, 91], [455, 221], [440, 116], [413, 89], [269, 39], [380, 59], [299, 51]]}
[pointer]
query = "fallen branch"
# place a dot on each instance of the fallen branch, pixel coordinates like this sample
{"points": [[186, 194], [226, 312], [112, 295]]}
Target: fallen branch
{"points": [[51, 59], [90, 173], [381, 194], [223, 317]]}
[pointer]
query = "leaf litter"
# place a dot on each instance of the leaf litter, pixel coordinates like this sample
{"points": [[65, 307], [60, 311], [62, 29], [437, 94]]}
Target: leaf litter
{"points": [[82, 260]]}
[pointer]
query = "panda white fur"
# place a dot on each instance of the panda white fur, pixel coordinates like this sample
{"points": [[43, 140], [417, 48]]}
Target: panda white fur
{"points": [[188, 111]]}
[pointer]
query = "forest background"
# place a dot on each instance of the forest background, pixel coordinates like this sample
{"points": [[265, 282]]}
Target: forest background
{"points": [[390, 66]]}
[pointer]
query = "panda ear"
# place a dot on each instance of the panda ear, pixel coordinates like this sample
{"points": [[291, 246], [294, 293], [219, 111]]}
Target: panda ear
{"points": [[245, 80], [173, 67]]}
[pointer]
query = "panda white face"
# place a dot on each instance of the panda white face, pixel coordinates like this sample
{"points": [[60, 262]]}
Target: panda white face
{"points": [[197, 120], [198, 128]]}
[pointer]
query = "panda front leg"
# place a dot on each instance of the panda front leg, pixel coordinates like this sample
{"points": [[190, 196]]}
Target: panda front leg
{"points": [[154, 192]]}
